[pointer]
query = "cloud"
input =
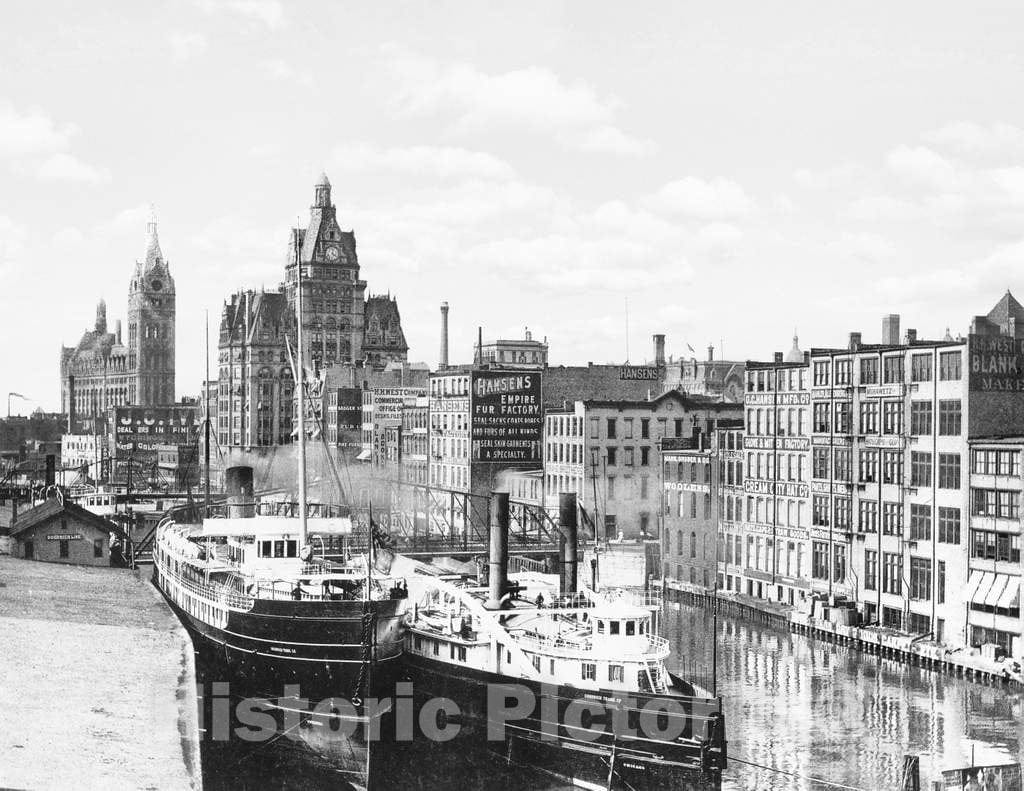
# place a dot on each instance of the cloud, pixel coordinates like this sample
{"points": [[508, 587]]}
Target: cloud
{"points": [[920, 165], [31, 133], [280, 69], [882, 208], [828, 178], [185, 46], [974, 139], [433, 161], [66, 167], [13, 237], [532, 98], [612, 140], [717, 199]]}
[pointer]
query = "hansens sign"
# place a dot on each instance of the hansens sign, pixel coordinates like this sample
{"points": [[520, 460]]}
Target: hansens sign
{"points": [[507, 417], [996, 363]]}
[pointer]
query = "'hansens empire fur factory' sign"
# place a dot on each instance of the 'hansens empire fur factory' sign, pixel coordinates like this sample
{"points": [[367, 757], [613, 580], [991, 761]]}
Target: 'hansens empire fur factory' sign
{"points": [[507, 416]]}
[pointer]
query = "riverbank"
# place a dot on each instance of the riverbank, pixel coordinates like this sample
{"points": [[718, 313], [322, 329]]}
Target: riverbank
{"points": [[876, 640], [98, 683]]}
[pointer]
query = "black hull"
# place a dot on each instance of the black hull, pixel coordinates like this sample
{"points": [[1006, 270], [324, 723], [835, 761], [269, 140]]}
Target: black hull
{"points": [[580, 756], [292, 656]]}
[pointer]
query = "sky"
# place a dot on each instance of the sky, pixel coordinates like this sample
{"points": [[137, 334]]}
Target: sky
{"points": [[595, 171]]}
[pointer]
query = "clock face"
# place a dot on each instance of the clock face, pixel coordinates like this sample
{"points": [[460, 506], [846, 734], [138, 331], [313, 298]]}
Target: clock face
{"points": [[332, 253], [156, 285]]}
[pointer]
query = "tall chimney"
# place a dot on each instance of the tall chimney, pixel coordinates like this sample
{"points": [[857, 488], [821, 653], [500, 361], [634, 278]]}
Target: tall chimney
{"points": [[497, 577], [567, 541], [711, 352], [659, 350], [891, 329], [855, 341], [911, 336], [117, 331], [443, 363]]}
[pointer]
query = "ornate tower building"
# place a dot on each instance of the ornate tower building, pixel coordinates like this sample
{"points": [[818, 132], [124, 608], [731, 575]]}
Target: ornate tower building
{"points": [[151, 312], [333, 302]]}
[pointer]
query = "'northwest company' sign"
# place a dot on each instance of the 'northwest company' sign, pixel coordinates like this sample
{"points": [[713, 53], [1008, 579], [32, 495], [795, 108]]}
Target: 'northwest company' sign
{"points": [[506, 417], [997, 363]]}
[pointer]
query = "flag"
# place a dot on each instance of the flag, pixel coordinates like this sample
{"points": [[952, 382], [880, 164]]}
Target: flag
{"points": [[16, 395], [688, 346]]}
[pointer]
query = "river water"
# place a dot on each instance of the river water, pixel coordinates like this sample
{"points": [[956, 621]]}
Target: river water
{"points": [[812, 714]]}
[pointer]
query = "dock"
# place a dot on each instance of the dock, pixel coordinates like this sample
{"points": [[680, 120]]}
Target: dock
{"points": [[98, 683]]}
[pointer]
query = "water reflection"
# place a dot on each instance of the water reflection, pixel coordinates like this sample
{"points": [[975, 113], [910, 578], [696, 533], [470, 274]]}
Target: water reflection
{"points": [[805, 707], [814, 709]]}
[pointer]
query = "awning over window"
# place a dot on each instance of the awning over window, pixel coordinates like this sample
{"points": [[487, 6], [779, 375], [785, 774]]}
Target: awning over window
{"points": [[363, 455], [993, 590]]}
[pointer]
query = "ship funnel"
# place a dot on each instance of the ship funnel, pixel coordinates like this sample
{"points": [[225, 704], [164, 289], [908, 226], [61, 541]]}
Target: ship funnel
{"points": [[568, 530], [497, 576], [238, 481]]}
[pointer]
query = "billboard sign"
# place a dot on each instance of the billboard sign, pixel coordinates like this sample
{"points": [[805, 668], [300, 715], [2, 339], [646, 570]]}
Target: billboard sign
{"points": [[507, 417], [1005, 777], [388, 401], [350, 408], [996, 364], [143, 434]]}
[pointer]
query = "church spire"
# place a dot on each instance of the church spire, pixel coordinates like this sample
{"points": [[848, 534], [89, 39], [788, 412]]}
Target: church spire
{"points": [[154, 256], [322, 198]]}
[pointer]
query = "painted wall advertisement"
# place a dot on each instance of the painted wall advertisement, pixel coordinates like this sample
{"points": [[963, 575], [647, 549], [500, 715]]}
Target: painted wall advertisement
{"points": [[158, 442], [388, 401], [1004, 777], [350, 408], [507, 417], [996, 363]]}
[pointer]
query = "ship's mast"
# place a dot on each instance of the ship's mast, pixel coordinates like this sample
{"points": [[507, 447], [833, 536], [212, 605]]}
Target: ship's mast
{"points": [[206, 444], [300, 385]]}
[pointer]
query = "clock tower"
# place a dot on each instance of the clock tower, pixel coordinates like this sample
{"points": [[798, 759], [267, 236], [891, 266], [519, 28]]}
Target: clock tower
{"points": [[151, 313]]}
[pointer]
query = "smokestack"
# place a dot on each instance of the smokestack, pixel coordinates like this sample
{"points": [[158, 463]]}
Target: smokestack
{"points": [[443, 363], [497, 576], [238, 482], [51, 469], [891, 329], [778, 357], [567, 542], [117, 331], [855, 339], [911, 336], [711, 352], [659, 350]]}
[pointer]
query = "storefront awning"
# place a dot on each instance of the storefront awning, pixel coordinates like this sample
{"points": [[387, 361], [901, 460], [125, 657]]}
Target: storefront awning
{"points": [[363, 455], [993, 590], [996, 590], [1011, 594]]}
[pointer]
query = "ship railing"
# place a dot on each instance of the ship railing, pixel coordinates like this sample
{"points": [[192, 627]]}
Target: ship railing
{"points": [[657, 645], [278, 508], [218, 593], [518, 564], [637, 597], [568, 601], [560, 645]]}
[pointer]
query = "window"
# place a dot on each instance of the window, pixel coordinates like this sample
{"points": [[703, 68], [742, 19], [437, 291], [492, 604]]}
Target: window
{"points": [[842, 511], [921, 368], [843, 417], [645, 456], [589, 670], [821, 417], [920, 468], [843, 371], [97, 548], [892, 467], [820, 463], [892, 519], [679, 426], [869, 417], [868, 516], [949, 470], [629, 457], [892, 573], [949, 418], [869, 466], [918, 623], [869, 371], [611, 487], [838, 562], [920, 579], [842, 465], [628, 423], [940, 582], [819, 560], [595, 425], [64, 544], [892, 369], [949, 525], [819, 510], [645, 428], [990, 545], [612, 455], [615, 673], [870, 570], [821, 373], [949, 366], [920, 522], [892, 417], [611, 428], [920, 418]]}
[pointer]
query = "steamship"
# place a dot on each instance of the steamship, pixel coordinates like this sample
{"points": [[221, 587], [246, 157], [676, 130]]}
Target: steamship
{"points": [[598, 709]]}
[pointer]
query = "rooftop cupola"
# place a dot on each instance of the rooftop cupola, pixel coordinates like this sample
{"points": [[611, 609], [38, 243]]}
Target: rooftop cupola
{"points": [[323, 192]]}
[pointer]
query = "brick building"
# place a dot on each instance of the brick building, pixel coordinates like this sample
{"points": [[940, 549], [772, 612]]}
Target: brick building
{"points": [[101, 371]]}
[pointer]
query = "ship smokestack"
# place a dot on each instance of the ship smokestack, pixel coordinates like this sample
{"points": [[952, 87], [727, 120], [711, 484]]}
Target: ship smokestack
{"points": [[659, 350], [567, 541], [238, 482], [498, 572], [443, 362]]}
